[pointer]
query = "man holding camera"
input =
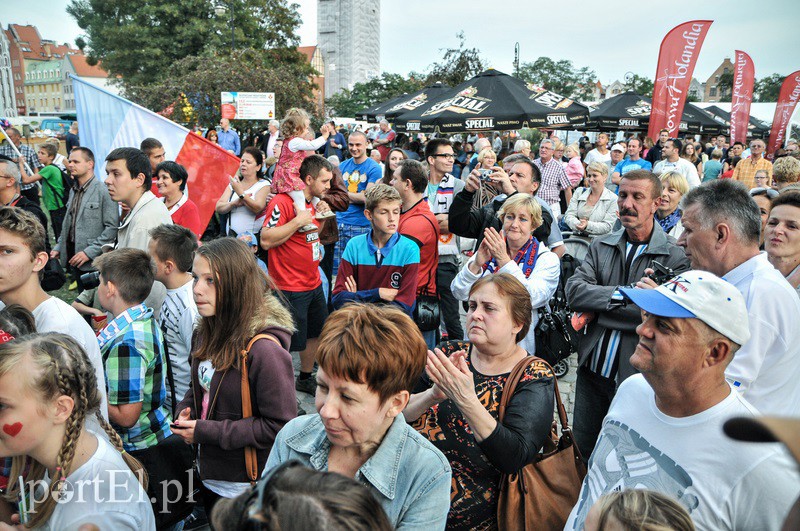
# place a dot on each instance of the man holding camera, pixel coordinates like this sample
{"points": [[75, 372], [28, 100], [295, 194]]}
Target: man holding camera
{"points": [[91, 208], [616, 260]]}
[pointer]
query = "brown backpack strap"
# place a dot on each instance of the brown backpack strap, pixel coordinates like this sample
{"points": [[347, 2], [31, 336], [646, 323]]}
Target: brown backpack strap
{"points": [[250, 458]]}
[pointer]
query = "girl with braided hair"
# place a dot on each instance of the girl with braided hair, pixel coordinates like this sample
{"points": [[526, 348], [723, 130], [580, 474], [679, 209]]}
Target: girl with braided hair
{"points": [[48, 389]]}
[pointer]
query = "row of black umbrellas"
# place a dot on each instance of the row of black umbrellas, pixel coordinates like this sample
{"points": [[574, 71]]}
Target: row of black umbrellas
{"points": [[631, 112], [494, 101]]}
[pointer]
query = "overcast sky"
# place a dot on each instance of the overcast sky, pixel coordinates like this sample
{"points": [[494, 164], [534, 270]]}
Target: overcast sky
{"points": [[612, 38]]}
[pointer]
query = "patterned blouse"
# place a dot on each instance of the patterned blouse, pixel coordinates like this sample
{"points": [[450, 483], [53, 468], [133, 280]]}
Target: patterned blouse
{"points": [[478, 467]]}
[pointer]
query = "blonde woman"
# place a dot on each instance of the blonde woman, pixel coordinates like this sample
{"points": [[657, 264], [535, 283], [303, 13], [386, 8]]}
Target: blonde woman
{"points": [[519, 253], [487, 159], [674, 187], [593, 210]]}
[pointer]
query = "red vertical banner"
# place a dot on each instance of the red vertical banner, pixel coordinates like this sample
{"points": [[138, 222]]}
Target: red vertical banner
{"points": [[744, 77], [787, 101], [676, 61]]}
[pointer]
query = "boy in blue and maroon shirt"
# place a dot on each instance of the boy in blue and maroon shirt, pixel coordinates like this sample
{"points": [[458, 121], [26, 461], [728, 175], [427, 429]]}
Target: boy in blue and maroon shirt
{"points": [[381, 266]]}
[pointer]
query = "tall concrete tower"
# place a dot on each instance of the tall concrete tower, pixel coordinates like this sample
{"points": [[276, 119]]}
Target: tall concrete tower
{"points": [[349, 35]]}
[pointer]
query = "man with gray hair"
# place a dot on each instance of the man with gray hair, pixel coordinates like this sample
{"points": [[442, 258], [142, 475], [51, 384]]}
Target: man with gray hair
{"points": [[522, 147], [10, 179], [554, 178], [663, 431], [269, 137], [722, 226], [383, 142], [29, 190]]}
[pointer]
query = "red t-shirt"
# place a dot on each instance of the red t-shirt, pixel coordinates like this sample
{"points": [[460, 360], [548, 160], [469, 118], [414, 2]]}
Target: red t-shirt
{"points": [[419, 224], [294, 264], [188, 216]]}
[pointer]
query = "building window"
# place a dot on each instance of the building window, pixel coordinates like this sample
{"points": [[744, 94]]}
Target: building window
{"points": [[713, 92]]}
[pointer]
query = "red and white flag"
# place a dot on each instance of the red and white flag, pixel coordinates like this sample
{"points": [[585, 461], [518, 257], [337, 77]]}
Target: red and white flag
{"points": [[676, 60], [743, 80], [787, 101], [109, 121]]}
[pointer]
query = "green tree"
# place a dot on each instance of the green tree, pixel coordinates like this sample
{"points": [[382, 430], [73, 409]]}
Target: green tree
{"points": [[640, 85], [725, 86], [202, 78], [768, 88], [457, 64], [139, 40], [560, 77], [370, 93]]}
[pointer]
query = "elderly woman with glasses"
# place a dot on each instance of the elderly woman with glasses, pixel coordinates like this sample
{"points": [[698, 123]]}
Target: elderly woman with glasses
{"points": [[370, 357], [515, 250]]}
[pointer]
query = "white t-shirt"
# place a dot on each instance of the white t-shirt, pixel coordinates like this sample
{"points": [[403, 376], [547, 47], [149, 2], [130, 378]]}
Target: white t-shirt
{"points": [[55, 315], [104, 492], [242, 218], [722, 483], [177, 320], [596, 156], [766, 370], [682, 166]]}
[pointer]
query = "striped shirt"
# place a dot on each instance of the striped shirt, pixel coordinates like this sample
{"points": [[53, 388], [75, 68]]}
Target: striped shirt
{"points": [[604, 358]]}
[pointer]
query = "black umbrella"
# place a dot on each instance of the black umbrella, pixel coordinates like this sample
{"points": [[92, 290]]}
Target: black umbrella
{"points": [[493, 101], [755, 128], [694, 114], [412, 101], [371, 114], [626, 112], [631, 112]]}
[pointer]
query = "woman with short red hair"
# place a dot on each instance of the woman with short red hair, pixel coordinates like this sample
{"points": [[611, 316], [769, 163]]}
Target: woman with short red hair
{"points": [[370, 357]]}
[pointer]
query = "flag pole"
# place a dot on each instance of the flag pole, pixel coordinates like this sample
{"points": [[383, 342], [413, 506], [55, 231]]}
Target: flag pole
{"points": [[14, 147]]}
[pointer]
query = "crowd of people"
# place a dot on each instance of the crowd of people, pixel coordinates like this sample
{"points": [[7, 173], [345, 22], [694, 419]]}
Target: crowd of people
{"points": [[360, 252]]}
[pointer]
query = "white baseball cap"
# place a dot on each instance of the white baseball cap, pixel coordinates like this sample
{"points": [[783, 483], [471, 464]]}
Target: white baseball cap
{"points": [[700, 295], [618, 147]]}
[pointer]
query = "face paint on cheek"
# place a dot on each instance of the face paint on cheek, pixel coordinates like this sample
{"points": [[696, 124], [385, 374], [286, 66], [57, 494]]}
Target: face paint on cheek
{"points": [[12, 429]]}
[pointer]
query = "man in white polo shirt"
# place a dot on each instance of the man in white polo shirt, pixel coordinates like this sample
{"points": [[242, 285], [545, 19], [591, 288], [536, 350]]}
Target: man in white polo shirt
{"points": [[722, 227]]}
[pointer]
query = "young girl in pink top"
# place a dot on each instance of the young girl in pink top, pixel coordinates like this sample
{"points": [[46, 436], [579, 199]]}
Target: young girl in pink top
{"points": [[287, 178]]}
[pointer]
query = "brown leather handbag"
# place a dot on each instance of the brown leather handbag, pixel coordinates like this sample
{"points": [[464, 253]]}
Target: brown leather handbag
{"points": [[541, 494], [250, 457]]}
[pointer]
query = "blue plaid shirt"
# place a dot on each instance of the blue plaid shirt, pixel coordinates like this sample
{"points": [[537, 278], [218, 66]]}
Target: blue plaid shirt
{"points": [[133, 357]]}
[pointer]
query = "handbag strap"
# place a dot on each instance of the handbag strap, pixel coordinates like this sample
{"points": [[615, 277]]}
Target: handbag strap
{"points": [[250, 458], [511, 386]]}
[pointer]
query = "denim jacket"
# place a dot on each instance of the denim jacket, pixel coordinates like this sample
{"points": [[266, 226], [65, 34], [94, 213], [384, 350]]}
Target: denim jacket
{"points": [[408, 476]]}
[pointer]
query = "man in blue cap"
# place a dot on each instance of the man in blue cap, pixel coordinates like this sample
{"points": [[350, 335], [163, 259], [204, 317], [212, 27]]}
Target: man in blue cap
{"points": [[663, 431]]}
